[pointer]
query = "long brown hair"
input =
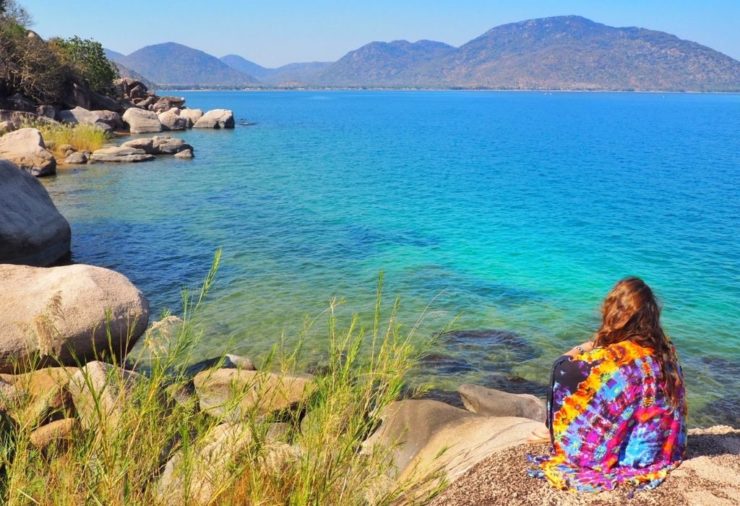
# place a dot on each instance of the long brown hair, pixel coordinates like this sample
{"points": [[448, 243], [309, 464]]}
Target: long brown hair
{"points": [[630, 312]]}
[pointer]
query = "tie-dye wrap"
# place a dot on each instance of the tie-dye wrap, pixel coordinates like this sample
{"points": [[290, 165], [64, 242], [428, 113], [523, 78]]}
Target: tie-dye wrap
{"points": [[617, 426]]}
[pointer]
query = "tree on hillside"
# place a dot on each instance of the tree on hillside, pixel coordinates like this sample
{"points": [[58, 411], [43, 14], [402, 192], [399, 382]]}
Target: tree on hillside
{"points": [[87, 58], [10, 10]]}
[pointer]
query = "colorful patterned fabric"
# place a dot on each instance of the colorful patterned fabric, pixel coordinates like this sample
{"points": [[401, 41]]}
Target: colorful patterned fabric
{"points": [[613, 424]]}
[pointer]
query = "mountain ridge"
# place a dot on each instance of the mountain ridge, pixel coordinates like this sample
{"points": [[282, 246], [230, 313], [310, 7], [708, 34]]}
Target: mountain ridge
{"points": [[554, 53]]}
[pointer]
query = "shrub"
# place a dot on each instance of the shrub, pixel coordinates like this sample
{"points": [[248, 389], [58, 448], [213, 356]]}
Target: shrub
{"points": [[87, 59]]}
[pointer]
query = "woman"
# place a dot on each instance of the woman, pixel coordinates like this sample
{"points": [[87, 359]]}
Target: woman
{"points": [[616, 408]]}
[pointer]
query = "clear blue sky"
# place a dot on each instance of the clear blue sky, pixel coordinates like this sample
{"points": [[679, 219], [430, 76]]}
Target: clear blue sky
{"points": [[275, 32]]}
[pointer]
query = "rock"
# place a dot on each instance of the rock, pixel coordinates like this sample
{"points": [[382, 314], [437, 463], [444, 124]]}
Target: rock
{"points": [[32, 231], [21, 103], [158, 145], [185, 154], [228, 361], [77, 94], [141, 121], [26, 148], [232, 393], [217, 118], [111, 119], [67, 149], [214, 454], [166, 145], [76, 158], [428, 439], [54, 432], [99, 393], [146, 103], [17, 119], [43, 395], [64, 314], [47, 111], [5, 127], [166, 103], [105, 103], [166, 327], [491, 402], [120, 155], [171, 120], [192, 115]]}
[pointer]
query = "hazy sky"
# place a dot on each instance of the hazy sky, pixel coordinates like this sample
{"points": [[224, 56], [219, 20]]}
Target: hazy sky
{"points": [[276, 32]]}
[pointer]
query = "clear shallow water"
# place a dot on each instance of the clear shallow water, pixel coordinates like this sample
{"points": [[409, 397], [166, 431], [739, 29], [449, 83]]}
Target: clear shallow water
{"points": [[508, 211]]}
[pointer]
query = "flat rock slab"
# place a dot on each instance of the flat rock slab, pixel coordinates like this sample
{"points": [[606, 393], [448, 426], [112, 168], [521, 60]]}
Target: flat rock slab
{"points": [[65, 313], [233, 393], [492, 402], [32, 231], [121, 155]]}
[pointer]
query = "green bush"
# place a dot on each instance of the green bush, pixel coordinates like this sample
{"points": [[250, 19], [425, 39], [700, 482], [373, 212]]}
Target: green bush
{"points": [[87, 59]]}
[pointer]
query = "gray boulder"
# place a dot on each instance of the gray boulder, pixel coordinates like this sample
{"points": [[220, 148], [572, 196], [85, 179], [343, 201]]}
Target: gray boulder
{"points": [[109, 118], [26, 149], [32, 231], [140, 121], [121, 155], [76, 158], [171, 120], [103, 119], [492, 402], [66, 314], [217, 118]]}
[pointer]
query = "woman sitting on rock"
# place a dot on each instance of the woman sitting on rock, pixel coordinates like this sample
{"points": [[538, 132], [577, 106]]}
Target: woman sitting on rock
{"points": [[616, 407]]}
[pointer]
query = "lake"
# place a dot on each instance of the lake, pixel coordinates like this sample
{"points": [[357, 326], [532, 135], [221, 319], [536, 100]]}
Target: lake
{"points": [[507, 216]]}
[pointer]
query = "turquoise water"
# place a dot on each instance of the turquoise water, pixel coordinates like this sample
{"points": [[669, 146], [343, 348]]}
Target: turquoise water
{"points": [[507, 212]]}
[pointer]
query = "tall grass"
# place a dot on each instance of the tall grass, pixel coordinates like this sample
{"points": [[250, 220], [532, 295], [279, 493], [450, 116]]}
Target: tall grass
{"points": [[316, 460], [80, 136]]}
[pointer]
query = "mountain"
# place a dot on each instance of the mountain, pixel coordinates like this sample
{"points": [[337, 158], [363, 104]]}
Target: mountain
{"points": [[172, 64], [399, 63], [572, 52], [292, 73]]}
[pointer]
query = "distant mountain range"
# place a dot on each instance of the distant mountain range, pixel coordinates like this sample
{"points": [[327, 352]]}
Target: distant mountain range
{"points": [[557, 53]]}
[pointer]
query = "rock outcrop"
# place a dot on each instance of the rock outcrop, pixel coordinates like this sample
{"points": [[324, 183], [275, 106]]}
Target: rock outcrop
{"points": [[141, 121], [26, 148], [432, 441], [492, 402], [120, 154], [192, 115], [32, 231], [216, 118], [64, 314]]}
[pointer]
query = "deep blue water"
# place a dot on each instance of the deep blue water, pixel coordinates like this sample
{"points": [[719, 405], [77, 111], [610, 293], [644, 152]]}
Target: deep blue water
{"points": [[513, 212]]}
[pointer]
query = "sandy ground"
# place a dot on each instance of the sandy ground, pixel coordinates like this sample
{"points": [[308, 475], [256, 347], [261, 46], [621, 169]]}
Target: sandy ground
{"points": [[710, 476]]}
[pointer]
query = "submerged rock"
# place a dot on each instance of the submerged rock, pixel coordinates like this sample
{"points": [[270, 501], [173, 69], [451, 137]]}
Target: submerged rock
{"points": [[217, 118], [26, 149], [32, 231], [490, 402], [66, 314]]}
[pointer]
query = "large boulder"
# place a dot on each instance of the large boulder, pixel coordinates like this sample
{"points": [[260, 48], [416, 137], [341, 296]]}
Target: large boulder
{"points": [[26, 148], [217, 118], [492, 402], [32, 231], [67, 314], [103, 119], [192, 115], [120, 155], [171, 120], [140, 121], [111, 119], [232, 393], [429, 441]]}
